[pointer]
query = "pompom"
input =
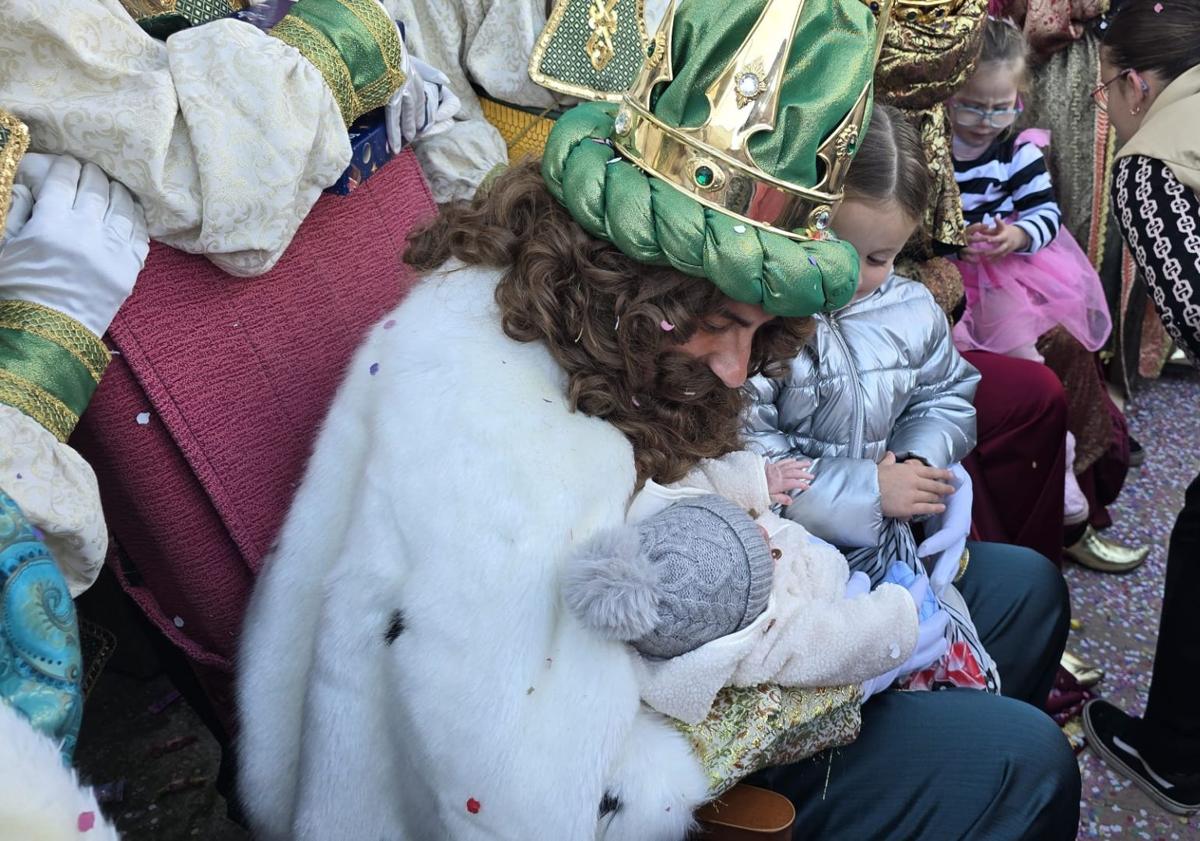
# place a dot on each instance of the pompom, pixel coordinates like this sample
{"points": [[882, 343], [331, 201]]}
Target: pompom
{"points": [[612, 586]]}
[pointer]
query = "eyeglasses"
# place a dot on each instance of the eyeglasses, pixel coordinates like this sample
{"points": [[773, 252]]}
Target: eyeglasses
{"points": [[1100, 92], [968, 116]]}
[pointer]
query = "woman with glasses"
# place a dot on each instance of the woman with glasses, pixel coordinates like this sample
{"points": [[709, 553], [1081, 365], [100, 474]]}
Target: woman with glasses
{"points": [[1151, 89]]}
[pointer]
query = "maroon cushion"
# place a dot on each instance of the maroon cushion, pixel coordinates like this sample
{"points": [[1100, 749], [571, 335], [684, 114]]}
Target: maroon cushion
{"points": [[236, 375]]}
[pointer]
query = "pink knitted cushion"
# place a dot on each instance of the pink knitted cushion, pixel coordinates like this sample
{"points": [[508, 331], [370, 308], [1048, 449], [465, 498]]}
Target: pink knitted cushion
{"points": [[200, 429]]}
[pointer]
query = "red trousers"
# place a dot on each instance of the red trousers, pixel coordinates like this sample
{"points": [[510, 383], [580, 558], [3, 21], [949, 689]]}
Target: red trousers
{"points": [[1018, 467]]}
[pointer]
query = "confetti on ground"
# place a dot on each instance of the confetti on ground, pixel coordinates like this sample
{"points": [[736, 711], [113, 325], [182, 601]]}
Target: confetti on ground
{"points": [[374, 369], [113, 792], [165, 701], [143, 418], [172, 745], [1119, 614]]}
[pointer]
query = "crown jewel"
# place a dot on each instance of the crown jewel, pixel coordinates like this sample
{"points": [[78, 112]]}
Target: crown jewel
{"points": [[712, 162]]}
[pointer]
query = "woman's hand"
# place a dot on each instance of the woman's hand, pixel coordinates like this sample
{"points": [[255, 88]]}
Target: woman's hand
{"points": [[911, 489], [992, 243], [787, 475]]}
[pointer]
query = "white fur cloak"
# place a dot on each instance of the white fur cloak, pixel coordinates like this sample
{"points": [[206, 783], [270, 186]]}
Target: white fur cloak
{"points": [[408, 670]]}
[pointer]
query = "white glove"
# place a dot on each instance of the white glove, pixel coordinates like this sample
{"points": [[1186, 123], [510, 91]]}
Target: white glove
{"points": [[948, 532], [82, 247], [424, 105], [18, 212]]}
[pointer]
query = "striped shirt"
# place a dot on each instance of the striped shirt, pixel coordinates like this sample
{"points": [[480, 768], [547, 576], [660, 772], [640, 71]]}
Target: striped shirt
{"points": [[1009, 180]]}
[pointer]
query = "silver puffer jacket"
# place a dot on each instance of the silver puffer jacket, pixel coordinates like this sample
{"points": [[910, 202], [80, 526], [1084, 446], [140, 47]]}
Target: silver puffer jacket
{"points": [[880, 374]]}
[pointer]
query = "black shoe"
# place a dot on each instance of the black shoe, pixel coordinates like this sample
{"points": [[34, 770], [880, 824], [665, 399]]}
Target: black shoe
{"points": [[1107, 729], [1137, 454]]}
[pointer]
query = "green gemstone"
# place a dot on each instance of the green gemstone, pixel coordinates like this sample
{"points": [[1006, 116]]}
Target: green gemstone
{"points": [[704, 176]]}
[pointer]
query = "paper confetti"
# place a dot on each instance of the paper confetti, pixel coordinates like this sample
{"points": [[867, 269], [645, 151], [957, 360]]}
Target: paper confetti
{"points": [[1120, 612], [86, 821], [389, 324], [666, 325], [374, 369], [143, 418], [473, 806]]}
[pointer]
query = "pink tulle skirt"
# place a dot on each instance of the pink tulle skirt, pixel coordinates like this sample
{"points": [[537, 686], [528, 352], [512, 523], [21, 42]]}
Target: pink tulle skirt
{"points": [[1012, 301]]}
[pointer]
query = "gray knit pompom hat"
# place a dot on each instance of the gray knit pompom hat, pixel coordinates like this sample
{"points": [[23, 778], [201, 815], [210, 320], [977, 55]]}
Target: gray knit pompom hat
{"points": [[694, 572]]}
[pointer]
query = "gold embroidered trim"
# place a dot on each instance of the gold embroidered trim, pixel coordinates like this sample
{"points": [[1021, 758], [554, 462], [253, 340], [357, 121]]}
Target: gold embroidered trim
{"points": [[570, 88], [37, 403], [62, 330], [314, 46], [14, 140], [385, 34]]}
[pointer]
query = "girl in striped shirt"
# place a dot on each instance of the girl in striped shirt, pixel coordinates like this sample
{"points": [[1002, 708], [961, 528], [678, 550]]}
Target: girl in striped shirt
{"points": [[1022, 272]]}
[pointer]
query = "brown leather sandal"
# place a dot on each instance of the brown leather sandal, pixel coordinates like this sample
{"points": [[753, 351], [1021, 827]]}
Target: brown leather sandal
{"points": [[747, 813]]}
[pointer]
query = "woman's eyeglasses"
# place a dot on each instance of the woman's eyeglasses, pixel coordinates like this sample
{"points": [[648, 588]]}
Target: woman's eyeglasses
{"points": [[1100, 92], [968, 116]]}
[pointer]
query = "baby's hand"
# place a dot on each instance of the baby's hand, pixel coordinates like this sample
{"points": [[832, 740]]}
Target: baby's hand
{"points": [[787, 475], [911, 489]]}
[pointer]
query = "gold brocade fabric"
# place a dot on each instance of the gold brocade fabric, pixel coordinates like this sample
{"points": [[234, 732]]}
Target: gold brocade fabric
{"points": [[1087, 413], [14, 140], [943, 218], [525, 133], [941, 277], [1049, 25], [751, 728], [920, 67], [923, 64]]}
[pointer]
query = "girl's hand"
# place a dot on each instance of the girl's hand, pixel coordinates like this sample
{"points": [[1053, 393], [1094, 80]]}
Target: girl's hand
{"points": [[992, 243], [911, 489], [787, 475]]}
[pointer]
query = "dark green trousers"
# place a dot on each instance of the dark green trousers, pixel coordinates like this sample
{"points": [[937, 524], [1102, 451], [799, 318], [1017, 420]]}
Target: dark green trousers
{"points": [[959, 763]]}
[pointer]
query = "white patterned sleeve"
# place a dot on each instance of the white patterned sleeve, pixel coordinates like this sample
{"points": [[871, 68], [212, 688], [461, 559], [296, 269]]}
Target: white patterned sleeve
{"points": [[220, 126], [1160, 220]]}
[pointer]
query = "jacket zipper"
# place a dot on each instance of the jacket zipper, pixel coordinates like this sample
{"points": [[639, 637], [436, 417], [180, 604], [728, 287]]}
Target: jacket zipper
{"points": [[856, 427]]}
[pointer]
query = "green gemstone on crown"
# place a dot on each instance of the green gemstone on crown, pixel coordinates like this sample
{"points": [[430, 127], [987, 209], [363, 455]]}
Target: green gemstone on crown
{"points": [[704, 176]]}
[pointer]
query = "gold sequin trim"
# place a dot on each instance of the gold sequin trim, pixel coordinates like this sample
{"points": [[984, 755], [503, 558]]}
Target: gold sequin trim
{"points": [[37, 403], [14, 140], [62, 330]]}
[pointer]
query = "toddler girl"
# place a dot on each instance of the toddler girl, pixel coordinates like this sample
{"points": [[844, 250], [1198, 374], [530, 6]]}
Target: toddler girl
{"points": [[880, 400], [1023, 273]]}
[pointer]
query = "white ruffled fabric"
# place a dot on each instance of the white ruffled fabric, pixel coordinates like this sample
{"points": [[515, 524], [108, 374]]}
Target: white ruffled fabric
{"points": [[226, 134], [57, 492]]}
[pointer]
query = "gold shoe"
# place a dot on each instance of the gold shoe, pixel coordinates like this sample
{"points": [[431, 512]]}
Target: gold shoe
{"points": [[1085, 675], [1094, 552]]}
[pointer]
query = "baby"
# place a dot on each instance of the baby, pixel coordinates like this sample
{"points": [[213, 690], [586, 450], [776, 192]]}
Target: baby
{"points": [[713, 589]]}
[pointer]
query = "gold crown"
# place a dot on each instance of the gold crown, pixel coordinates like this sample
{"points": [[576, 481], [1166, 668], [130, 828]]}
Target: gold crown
{"points": [[712, 163]]}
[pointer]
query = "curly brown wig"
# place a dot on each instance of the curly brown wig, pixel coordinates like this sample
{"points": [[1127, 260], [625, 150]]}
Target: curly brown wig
{"points": [[600, 314]]}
